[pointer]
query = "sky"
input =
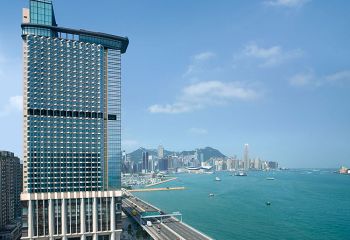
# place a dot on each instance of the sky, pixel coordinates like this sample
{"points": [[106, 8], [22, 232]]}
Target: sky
{"points": [[271, 73]]}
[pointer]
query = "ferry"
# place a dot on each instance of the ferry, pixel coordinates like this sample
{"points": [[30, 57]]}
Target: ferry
{"points": [[241, 174], [217, 179], [344, 170]]}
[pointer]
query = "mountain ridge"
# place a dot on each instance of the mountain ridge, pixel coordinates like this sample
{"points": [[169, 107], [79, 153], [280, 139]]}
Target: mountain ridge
{"points": [[208, 152]]}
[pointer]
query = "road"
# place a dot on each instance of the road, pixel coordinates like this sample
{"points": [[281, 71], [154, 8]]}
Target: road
{"points": [[169, 229], [157, 233], [184, 231]]}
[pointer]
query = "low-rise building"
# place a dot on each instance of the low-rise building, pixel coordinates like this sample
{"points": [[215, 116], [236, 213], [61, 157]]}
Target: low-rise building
{"points": [[10, 189]]}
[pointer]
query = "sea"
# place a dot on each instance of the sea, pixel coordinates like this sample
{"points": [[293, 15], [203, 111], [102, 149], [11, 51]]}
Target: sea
{"points": [[305, 204]]}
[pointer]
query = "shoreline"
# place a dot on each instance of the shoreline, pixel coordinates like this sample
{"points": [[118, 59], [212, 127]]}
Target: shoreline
{"points": [[167, 180]]}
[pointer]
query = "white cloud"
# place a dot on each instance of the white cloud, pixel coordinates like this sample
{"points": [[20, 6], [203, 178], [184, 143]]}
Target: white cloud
{"points": [[302, 79], [171, 108], [198, 131], [199, 63], [339, 76], [129, 144], [205, 94], [14, 104], [286, 3], [270, 56], [310, 79], [204, 56], [254, 51]]}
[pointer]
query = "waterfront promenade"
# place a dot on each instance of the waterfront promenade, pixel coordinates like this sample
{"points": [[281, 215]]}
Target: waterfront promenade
{"points": [[163, 226]]}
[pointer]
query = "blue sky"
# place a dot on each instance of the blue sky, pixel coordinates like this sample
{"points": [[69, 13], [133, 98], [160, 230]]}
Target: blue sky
{"points": [[274, 74]]}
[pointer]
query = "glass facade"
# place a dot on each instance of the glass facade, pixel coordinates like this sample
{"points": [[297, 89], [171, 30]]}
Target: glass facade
{"points": [[24, 218], [72, 111], [40, 217], [64, 94], [113, 122], [88, 215], [57, 217], [41, 12]]}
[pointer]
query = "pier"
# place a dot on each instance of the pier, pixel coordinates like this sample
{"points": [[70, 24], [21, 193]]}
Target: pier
{"points": [[162, 226], [156, 189], [164, 181]]}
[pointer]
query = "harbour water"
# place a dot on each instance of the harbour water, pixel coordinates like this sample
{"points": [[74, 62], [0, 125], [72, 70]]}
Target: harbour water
{"points": [[305, 204]]}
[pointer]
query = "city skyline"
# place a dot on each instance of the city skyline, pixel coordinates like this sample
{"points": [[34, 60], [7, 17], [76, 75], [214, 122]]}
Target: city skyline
{"points": [[270, 82]]}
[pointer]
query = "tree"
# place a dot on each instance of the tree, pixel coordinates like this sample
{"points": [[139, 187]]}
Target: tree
{"points": [[129, 229], [138, 233], [144, 235]]}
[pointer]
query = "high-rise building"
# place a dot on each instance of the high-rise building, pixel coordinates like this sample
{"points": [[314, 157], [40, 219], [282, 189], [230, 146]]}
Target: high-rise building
{"points": [[229, 164], [160, 151], [163, 164], [246, 156], [150, 163], [257, 164], [72, 151], [273, 165], [10, 189], [201, 158], [145, 162]]}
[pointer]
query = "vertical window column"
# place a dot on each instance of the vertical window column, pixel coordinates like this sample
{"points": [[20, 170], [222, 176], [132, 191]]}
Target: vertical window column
{"points": [[112, 216], [63, 216], [51, 217], [82, 216]]}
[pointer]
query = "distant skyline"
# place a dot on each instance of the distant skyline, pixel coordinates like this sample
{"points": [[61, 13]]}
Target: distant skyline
{"points": [[271, 73]]}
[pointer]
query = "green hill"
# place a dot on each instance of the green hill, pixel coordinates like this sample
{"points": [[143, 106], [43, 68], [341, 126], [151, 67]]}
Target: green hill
{"points": [[207, 152]]}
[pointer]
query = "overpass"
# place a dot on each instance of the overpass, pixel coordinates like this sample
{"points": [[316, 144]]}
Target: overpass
{"points": [[164, 226]]}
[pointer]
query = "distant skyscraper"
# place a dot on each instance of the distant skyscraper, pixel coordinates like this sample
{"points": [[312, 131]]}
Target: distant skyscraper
{"points": [[201, 157], [273, 165], [145, 161], [10, 189], [229, 164], [160, 152], [246, 156], [257, 163], [150, 163], [163, 164], [72, 118]]}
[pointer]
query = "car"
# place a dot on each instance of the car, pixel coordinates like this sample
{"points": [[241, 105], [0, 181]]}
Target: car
{"points": [[158, 226], [149, 224]]}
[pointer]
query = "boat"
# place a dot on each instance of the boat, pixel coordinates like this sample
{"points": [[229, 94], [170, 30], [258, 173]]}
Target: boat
{"points": [[211, 194], [270, 178], [241, 174], [268, 203], [217, 179]]}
